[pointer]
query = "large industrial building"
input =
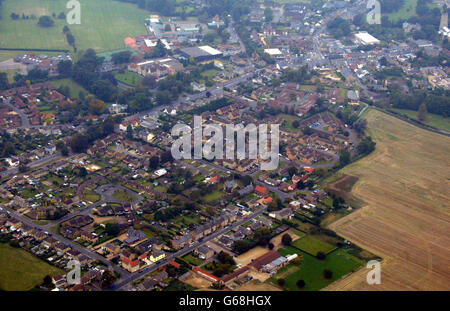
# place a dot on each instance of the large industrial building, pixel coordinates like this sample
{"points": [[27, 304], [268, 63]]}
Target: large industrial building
{"points": [[201, 53]]}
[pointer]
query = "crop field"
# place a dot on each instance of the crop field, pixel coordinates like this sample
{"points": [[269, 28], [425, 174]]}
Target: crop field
{"points": [[405, 220], [104, 25], [21, 270], [312, 246]]}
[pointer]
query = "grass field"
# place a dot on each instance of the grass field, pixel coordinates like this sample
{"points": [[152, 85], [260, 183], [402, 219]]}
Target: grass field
{"points": [[124, 196], [433, 120], [74, 87], [20, 270], [104, 25], [407, 11], [312, 246], [404, 184], [128, 77], [311, 269]]}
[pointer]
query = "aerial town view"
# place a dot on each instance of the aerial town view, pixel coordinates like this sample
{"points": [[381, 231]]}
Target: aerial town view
{"points": [[221, 146]]}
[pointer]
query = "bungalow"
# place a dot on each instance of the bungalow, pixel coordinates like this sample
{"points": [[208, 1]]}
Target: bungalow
{"points": [[285, 213]]}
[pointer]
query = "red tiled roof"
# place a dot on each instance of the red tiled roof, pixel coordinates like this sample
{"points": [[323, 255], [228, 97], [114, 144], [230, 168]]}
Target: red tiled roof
{"points": [[263, 260], [260, 189], [173, 263]]}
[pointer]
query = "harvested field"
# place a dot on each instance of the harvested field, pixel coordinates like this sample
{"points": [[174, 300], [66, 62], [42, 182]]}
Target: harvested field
{"points": [[405, 220], [247, 257], [256, 285], [197, 281]]}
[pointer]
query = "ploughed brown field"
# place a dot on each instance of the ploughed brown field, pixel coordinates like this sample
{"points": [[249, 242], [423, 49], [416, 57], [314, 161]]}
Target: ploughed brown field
{"points": [[405, 219]]}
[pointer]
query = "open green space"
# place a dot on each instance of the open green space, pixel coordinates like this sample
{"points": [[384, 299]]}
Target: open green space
{"points": [[310, 269], [20, 270], [128, 77], [434, 120], [74, 87], [212, 196], [104, 24], [124, 196], [311, 245]]}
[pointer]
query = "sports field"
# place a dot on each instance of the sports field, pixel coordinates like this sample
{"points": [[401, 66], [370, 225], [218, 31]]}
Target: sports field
{"points": [[104, 24], [310, 269], [406, 218], [20, 270]]}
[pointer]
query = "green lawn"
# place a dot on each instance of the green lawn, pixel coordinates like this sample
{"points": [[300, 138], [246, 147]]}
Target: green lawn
{"points": [[128, 77], [193, 260], [311, 245], [289, 119], [311, 269], [124, 196], [21, 271], [212, 196], [91, 196], [433, 120], [104, 25], [407, 11], [74, 87]]}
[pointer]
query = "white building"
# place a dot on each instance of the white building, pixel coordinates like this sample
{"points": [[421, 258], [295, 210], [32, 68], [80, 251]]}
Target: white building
{"points": [[366, 39]]}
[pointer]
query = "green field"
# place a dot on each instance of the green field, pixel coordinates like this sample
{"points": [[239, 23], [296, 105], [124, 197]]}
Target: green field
{"points": [[104, 25], [311, 269], [20, 270], [212, 196], [74, 87], [407, 11], [311, 245], [434, 120], [124, 196], [128, 77]]}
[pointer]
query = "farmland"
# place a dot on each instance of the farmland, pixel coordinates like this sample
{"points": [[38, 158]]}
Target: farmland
{"points": [[405, 219], [21, 270], [104, 25]]}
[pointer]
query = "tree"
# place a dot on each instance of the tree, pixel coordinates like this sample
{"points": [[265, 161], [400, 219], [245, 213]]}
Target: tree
{"points": [[4, 83], [301, 283], [296, 124], [154, 162], [286, 239], [65, 68], [97, 106], [112, 229], [422, 112], [320, 255], [48, 282], [166, 156], [271, 246], [328, 274], [281, 281], [79, 143], [129, 131], [292, 171], [45, 21], [268, 14], [121, 57], [149, 81]]}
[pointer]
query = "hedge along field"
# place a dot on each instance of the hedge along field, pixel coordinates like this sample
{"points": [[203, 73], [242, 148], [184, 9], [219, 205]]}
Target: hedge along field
{"points": [[104, 24]]}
